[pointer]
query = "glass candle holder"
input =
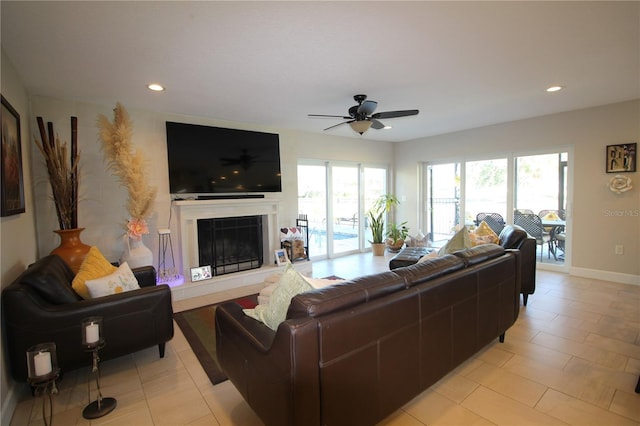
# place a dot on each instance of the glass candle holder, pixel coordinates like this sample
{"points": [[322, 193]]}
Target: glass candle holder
{"points": [[92, 331], [42, 361]]}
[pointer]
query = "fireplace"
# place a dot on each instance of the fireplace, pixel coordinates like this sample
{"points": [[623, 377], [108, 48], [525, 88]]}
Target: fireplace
{"points": [[196, 218], [230, 244]]}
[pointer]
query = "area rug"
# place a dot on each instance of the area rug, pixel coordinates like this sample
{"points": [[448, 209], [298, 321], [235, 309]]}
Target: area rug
{"points": [[198, 327]]}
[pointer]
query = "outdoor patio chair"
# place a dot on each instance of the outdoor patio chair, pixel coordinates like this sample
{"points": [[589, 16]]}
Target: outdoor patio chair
{"points": [[533, 225], [494, 220]]}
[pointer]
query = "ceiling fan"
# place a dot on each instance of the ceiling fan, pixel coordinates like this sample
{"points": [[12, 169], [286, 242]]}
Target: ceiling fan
{"points": [[361, 116]]}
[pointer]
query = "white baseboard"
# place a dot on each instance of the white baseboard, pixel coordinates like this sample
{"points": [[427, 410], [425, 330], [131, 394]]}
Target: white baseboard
{"points": [[10, 402], [606, 275]]}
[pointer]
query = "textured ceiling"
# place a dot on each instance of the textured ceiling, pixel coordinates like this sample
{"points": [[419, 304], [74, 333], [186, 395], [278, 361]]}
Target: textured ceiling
{"points": [[462, 64]]}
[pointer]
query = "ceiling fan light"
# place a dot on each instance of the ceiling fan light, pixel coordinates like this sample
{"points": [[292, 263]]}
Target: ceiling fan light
{"points": [[360, 126]]}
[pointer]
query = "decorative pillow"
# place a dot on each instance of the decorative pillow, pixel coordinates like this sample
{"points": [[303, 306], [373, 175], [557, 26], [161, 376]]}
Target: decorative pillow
{"points": [[459, 241], [94, 266], [483, 234], [290, 284], [120, 281], [322, 282], [551, 216], [419, 240]]}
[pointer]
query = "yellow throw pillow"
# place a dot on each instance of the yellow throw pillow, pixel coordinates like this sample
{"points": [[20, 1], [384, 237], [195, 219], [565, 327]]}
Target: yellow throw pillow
{"points": [[483, 234], [95, 265]]}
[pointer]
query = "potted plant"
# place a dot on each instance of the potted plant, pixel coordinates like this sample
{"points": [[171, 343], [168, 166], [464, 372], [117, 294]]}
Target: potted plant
{"points": [[396, 235], [376, 221]]}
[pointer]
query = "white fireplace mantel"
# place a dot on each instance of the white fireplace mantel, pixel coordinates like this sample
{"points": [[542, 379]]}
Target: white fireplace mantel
{"points": [[189, 211]]}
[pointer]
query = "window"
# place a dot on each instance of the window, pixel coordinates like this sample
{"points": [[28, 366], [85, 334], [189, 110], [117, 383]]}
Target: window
{"points": [[335, 198]]}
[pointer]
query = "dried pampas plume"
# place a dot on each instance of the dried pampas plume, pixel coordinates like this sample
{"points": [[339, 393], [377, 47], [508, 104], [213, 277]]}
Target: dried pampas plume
{"points": [[126, 163]]}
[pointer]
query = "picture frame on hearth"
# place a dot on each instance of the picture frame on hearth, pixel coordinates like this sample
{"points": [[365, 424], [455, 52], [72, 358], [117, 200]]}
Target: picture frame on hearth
{"points": [[200, 273], [621, 158], [281, 257], [12, 183]]}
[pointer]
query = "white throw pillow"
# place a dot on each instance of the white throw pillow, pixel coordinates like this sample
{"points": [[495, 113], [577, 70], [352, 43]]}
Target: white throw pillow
{"points": [[275, 312], [120, 281]]}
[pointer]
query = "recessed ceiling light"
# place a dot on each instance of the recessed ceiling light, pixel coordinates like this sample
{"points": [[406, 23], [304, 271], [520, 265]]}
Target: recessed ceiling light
{"points": [[387, 127], [554, 88], [155, 87]]}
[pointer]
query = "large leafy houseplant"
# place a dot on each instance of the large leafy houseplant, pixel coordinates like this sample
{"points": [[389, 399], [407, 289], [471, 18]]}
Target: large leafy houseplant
{"points": [[376, 213]]}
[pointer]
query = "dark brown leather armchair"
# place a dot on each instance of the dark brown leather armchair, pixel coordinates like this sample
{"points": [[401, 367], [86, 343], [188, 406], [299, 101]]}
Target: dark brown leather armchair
{"points": [[40, 306]]}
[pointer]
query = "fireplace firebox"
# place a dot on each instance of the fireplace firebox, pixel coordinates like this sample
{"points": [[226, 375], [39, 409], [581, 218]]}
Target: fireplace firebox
{"points": [[230, 244]]}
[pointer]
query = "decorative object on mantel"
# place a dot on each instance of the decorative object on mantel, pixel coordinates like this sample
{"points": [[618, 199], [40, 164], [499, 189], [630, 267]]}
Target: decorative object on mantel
{"points": [[128, 165], [621, 158], [620, 184], [62, 167]]}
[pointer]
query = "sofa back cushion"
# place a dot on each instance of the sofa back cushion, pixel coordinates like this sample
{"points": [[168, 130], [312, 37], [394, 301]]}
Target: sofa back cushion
{"points": [[50, 277], [479, 254], [429, 269], [344, 295]]}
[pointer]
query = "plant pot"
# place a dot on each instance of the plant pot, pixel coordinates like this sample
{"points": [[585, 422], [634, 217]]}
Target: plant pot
{"points": [[395, 247], [378, 249], [71, 249]]}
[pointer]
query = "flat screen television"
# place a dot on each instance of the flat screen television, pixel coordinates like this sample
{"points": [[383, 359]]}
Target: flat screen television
{"points": [[205, 160]]}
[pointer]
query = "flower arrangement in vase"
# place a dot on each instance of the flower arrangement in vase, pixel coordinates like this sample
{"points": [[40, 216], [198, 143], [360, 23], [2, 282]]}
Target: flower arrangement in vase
{"points": [[62, 168], [128, 165]]}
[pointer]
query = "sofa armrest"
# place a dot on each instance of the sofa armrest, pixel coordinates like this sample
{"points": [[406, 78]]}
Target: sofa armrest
{"points": [[231, 315], [146, 275]]}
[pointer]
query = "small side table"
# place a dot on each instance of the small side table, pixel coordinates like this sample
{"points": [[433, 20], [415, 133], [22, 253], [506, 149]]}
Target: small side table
{"points": [[101, 406], [45, 386]]}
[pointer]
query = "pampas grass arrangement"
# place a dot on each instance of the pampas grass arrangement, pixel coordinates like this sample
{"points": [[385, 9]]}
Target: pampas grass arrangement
{"points": [[128, 165], [62, 167]]}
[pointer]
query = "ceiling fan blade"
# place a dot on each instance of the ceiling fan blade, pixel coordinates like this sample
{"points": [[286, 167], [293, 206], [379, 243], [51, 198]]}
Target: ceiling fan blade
{"points": [[395, 114], [367, 107], [375, 124], [328, 116], [339, 124]]}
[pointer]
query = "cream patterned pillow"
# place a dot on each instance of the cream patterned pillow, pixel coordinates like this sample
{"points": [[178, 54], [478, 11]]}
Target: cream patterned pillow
{"points": [[120, 281], [275, 312]]}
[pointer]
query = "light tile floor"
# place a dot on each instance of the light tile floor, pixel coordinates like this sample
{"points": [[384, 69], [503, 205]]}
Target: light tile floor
{"points": [[573, 357]]}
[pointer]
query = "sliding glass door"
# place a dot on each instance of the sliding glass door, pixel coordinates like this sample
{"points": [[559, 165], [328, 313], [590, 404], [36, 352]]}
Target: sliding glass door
{"points": [[532, 184], [335, 198]]}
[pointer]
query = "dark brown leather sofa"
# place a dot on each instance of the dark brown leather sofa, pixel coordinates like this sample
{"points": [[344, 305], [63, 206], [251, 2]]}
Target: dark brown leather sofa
{"points": [[511, 237], [353, 353], [40, 306]]}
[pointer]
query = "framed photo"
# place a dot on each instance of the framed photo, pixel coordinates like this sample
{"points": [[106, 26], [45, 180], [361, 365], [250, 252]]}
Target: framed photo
{"points": [[281, 257], [12, 180], [621, 158], [201, 273]]}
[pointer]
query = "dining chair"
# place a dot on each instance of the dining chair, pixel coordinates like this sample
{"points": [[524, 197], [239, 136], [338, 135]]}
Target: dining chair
{"points": [[494, 220], [533, 225]]}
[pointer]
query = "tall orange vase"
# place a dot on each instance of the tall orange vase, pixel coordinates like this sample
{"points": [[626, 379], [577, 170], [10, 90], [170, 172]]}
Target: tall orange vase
{"points": [[71, 249]]}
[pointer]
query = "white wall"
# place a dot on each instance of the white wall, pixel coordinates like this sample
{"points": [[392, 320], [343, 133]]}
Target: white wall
{"points": [[102, 201], [17, 233], [595, 230]]}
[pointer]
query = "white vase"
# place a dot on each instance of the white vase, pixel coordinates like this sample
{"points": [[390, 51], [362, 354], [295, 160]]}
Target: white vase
{"points": [[136, 254]]}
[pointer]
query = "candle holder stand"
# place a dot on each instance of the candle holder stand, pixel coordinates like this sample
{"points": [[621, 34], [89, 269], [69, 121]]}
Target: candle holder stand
{"points": [[46, 387], [101, 406]]}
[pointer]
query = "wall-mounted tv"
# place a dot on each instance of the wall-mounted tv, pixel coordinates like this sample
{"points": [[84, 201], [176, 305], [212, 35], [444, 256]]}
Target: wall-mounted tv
{"points": [[214, 160]]}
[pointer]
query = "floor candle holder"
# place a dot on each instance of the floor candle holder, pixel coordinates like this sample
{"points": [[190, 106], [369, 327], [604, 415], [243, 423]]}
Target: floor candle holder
{"points": [[93, 341], [43, 372]]}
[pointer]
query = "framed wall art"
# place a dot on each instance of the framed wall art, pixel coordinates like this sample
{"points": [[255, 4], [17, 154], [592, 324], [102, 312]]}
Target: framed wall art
{"points": [[12, 177], [621, 158]]}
